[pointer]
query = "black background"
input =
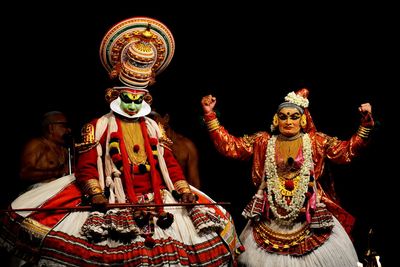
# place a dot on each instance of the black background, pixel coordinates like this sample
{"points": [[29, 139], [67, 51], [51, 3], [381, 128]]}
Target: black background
{"points": [[248, 56]]}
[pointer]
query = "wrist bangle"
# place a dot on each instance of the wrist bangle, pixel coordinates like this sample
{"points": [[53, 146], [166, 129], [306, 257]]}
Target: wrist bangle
{"points": [[92, 187], [212, 125], [363, 132], [182, 187]]}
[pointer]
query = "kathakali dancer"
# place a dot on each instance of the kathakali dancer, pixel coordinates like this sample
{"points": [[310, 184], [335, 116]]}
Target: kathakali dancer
{"points": [[122, 161], [292, 220]]}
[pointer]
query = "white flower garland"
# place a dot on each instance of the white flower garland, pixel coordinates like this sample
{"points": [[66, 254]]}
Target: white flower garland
{"points": [[297, 100], [297, 201]]}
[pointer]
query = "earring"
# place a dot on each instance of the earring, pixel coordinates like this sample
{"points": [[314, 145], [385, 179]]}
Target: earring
{"points": [[275, 120], [111, 95], [303, 121], [148, 98]]}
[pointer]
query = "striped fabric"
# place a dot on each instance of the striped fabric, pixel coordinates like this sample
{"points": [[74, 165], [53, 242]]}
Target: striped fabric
{"points": [[57, 238]]}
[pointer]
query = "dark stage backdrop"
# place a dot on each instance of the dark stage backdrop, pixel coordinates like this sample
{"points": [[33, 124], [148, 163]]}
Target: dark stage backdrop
{"points": [[248, 57]]}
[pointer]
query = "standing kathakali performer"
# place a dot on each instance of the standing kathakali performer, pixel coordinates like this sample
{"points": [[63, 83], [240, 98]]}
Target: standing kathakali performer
{"points": [[123, 163], [292, 219]]}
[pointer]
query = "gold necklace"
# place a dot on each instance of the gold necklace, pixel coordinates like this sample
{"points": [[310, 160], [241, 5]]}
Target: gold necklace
{"points": [[132, 134]]}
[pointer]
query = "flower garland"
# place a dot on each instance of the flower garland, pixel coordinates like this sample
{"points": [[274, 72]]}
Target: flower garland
{"points": [[275, 197], [296, 99]]}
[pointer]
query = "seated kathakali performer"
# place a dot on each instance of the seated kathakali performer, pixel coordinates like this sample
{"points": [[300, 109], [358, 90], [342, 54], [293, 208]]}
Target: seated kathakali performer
{"points": [[129, 202]]}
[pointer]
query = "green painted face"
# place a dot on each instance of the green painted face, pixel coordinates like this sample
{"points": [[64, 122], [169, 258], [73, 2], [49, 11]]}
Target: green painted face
{"points": [[131, 103]]}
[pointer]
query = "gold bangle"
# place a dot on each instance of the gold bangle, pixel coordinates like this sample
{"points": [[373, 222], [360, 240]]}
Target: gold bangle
{"points": [[363, 132], [182, 186], [92, 187], [212, 125]]}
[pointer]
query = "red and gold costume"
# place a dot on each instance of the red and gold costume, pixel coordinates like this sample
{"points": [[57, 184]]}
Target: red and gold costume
{"points": [[293, 220], [122, 161], [323, 146], [142, 183], [196, 236]]}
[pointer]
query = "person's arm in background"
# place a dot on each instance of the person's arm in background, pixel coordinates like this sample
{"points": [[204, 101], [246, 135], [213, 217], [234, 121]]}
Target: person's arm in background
{"points": [[193, 175]]}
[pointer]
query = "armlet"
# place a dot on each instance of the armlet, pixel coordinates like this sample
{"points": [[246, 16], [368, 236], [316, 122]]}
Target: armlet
{"points": [[87, 137]]}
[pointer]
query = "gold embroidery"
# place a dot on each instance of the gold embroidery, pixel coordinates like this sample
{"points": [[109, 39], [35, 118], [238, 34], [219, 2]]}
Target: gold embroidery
{"points": [[250, 139], [281, 240], [35, 228], [88, 139], [164, 139], [332, 141]]}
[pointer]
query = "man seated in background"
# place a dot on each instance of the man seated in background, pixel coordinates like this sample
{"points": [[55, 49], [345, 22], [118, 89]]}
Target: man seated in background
{"points": [[184, 150]]}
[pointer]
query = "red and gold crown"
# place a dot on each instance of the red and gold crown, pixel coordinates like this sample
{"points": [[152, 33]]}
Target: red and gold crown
{"points": [[137, 49]]}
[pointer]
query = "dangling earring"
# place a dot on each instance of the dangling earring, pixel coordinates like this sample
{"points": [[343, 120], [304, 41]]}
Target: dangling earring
{"points": [[303, 121], [275, 120]]}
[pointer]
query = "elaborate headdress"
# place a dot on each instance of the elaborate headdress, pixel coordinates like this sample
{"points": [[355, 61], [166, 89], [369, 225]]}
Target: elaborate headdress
{"points": [[135, 50], [299, 100]]}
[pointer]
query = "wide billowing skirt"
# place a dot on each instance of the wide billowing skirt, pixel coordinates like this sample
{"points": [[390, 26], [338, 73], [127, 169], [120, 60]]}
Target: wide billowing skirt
{"points": [[337, 250], [55, 238]]}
